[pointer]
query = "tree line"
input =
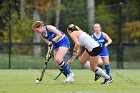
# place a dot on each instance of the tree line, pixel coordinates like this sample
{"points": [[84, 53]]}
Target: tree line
{"points": [[118, 18]]}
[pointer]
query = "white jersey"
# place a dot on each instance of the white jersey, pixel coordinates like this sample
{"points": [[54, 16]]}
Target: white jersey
{"points": [[87, 41]]}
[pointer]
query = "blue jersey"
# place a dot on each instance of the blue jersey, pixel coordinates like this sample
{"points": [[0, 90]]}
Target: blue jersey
{"points": [[102, 42], [64, 41]]}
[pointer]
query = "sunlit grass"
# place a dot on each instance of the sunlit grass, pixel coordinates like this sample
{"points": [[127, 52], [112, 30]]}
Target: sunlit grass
{"points": [[23, 81]]}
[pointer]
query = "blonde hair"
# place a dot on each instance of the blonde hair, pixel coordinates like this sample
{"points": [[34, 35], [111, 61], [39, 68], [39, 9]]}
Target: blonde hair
{"points": [[37, 24], [73, 27]]}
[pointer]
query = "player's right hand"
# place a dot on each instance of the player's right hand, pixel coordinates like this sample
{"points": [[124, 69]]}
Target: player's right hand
{"points": [[69, 62]]}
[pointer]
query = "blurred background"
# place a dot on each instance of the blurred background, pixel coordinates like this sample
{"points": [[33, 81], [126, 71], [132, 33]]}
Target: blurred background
{"points": [[22, 48]]}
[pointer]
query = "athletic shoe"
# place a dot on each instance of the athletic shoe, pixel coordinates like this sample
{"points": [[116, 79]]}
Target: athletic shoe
{"points": [[107, 81], [96, 77], [69, 78]]}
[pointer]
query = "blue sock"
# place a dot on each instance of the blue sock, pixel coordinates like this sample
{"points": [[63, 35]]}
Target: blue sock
{"points": [[65, 68], [63, 72], [107, 68]]}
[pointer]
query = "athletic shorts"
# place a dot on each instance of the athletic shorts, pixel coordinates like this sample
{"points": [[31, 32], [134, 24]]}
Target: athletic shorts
{"points": [[62, 43], [95, 52], [104, 52]]}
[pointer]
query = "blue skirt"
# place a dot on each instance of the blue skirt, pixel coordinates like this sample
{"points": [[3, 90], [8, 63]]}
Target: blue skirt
{"points": [[104, 52], [62, 43]]}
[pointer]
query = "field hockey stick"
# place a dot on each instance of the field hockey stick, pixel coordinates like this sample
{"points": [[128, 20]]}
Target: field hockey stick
{"points": [[72, 58], [45, 66]]}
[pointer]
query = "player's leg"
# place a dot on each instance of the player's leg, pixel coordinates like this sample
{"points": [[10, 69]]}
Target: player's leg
{"points": [[105, 57], [100, 64], [94, 66], [57, 64], [107, 67], [107, 64], [59, 55], [84, 60]]}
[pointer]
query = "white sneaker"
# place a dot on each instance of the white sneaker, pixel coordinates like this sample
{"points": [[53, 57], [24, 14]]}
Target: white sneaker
{"points": [[69, 78]]}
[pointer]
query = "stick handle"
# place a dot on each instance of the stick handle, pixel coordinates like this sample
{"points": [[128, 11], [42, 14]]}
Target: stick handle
{"points": [[72, 58], [58, 75], [42, 74], [70, 61], [45, 66], [49, 53]]}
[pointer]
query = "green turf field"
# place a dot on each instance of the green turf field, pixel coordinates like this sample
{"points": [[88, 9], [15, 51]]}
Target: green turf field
{"points": [[23, 81]]}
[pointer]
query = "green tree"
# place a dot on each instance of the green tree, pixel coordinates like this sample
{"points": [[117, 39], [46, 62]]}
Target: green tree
{"points": [[75, 12], [106, 19], [133, 28]]}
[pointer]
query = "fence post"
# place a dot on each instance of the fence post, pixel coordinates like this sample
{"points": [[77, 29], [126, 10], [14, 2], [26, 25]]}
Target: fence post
{"points": [[9, 27], [120, 56], [120, 46]]}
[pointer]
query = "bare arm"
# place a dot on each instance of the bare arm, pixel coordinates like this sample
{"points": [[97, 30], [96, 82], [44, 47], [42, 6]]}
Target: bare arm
{"points": [[54, 30], [77, 46], [109, 40]]}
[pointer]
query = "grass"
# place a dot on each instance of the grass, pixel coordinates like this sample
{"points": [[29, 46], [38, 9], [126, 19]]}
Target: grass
{"points": [[32, 62], [23, 81], [28, 62]]}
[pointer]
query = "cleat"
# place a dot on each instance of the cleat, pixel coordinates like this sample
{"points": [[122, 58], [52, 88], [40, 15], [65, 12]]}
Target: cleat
{"points": [[69, 78], [107, 81], [97, 77]]}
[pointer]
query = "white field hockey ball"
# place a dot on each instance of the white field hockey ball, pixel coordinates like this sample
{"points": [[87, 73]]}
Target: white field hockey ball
{"points": [[37, 81]]}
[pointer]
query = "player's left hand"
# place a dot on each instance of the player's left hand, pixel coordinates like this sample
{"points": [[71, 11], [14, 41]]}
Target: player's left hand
{"points": [[69, 62], [106, 45], [74, 53]]}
